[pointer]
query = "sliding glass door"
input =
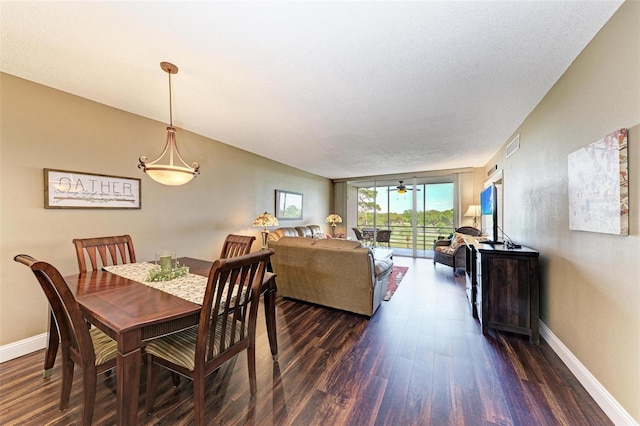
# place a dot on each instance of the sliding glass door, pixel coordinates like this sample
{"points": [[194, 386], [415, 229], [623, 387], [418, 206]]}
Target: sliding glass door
{"points": [[415, 213]]}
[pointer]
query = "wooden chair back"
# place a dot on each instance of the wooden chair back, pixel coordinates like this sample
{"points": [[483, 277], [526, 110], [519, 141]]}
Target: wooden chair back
{"points": [[358, 234], [75, 337], [227, 327], [104, 251], [236, 245], [232, 295], [72, 327]]}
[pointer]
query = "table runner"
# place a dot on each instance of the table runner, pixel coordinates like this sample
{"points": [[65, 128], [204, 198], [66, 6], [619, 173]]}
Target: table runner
{"points": [[191, 287]]}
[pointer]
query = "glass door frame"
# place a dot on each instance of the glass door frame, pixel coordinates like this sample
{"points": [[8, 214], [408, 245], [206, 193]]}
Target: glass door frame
{"points": [[422, 183]]}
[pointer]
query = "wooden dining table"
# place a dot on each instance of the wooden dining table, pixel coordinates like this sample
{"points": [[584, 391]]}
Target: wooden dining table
{"points": [[132, 312]]}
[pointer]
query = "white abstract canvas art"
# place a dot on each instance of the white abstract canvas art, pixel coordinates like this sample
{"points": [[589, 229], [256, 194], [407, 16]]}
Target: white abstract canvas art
{"points": [[599, 186]]}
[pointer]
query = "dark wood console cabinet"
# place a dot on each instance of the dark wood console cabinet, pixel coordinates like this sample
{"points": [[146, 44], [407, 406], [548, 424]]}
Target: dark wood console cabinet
{"points": [[471, 282], [503, 287]]}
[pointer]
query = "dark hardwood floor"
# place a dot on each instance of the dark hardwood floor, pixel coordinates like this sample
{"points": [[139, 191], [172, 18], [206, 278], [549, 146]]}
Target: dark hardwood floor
{"points": [[420, 360]]}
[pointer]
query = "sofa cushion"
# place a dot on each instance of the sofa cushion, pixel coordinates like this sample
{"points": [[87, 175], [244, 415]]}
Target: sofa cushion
{"points": [[445, 249], [304, 231], [382, 266], [317, 232], [282, 232], [297, 241], [336, 244]]}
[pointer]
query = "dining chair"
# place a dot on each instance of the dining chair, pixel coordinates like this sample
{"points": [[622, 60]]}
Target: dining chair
{"points": [[232, 295], [91, 349], [236, 245], [106, 249]]}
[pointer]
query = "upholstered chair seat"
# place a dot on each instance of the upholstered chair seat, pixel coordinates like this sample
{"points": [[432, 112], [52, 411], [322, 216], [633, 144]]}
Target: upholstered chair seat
{"points": [[180, 348]]}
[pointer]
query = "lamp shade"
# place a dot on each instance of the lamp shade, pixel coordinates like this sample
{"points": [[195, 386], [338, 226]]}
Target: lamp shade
{"points": [[264, 220], [333, 219], [473, 211]]}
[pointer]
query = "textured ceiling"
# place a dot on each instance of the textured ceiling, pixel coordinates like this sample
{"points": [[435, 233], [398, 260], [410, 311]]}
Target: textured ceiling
{"points": [[338, 89]]}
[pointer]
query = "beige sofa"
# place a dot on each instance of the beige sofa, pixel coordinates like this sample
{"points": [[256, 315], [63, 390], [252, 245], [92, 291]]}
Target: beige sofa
{"points": [[339, 274]]}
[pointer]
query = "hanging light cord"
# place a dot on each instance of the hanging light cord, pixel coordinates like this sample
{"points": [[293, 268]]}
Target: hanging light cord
{"points": [[170, 102]]}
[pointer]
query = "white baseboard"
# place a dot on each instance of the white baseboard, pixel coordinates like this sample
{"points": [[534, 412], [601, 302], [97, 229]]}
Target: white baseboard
{"points": [[23, 347], [616, 413]]}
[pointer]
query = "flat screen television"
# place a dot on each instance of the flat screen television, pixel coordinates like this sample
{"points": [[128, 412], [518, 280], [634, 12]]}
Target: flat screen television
{"points": [[489, 214]]}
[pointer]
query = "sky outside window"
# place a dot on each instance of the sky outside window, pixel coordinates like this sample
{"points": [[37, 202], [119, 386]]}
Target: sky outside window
{"points": [[439, 197]]}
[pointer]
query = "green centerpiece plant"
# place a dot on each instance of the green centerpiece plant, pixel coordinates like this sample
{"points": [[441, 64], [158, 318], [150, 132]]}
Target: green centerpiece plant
{"points": [[167, 274]]}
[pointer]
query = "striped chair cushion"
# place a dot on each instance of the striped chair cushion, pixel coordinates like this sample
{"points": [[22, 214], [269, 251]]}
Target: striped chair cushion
{"points": [[104, 346], [180, 348], [445, 249]]}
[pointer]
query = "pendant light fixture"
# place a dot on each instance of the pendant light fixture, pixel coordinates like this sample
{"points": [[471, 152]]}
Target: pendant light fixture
{"points": [[168, 173]]}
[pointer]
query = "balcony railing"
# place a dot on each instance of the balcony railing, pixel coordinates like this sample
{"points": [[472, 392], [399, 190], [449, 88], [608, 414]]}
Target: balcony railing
{"points": [[402, 235]]}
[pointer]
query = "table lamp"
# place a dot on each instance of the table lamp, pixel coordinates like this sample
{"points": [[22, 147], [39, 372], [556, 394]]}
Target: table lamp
{"points": [[473, 211], [333, 219], [265, 220]]}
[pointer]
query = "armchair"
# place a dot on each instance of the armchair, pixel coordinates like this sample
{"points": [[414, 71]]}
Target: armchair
{"points": [[452, 251]]}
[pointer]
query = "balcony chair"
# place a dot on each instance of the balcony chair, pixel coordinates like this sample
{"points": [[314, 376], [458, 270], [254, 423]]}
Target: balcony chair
{"points": [[452, 251], [91, 349], [384, 236], [199, 351], [364, 237]]}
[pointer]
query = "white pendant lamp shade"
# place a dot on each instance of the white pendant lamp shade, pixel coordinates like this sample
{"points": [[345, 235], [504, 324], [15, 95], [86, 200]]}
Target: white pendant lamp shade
{"points": [[169, 168]]}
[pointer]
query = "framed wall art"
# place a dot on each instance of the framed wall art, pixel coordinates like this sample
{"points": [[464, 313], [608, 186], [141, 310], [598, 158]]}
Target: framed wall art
{"points": [[64, 189], [288, 205], [599, 186]]}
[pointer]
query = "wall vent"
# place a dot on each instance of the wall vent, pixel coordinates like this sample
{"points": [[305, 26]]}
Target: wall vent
{"points": [[513, 146]]}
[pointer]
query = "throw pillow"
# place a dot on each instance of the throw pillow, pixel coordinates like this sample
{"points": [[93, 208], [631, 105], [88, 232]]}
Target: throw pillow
{"points": [[456, 240]]}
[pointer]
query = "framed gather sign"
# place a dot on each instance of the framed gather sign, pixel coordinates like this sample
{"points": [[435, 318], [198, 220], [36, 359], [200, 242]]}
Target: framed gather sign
{"points": [[64, 189]]}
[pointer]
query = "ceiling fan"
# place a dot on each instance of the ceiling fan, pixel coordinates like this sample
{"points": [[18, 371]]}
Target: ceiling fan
{"points": [[402, 188]]}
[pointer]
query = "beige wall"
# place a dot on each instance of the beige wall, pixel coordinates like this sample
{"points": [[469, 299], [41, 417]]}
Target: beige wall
{"points": [[590, 284], [46, 128], [470, 185]]}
